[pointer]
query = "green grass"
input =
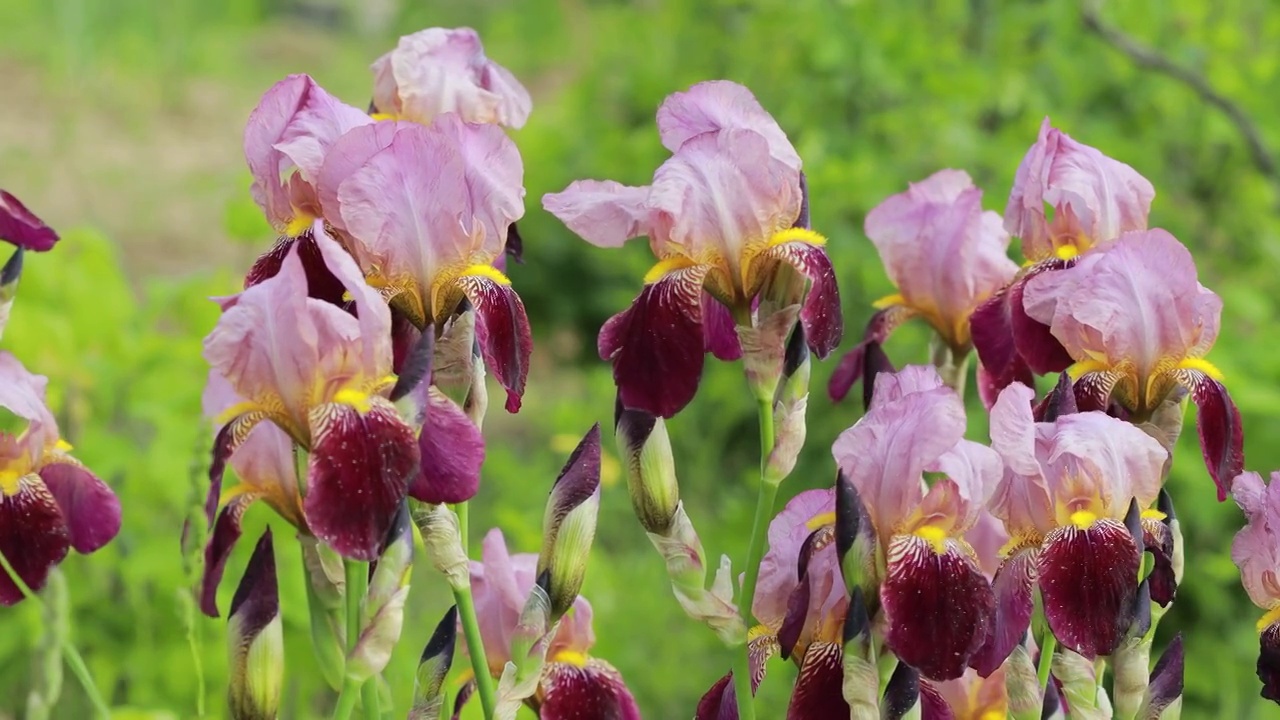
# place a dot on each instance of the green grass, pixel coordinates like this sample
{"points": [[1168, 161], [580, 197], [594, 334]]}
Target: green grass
{"points": [[121, 125]]}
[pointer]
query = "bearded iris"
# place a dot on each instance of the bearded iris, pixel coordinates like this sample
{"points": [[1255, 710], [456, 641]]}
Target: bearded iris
{"points": [[727, 219], [1256, 551]]}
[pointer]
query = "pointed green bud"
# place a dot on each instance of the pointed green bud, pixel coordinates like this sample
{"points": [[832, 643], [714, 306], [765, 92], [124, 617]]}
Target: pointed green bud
{"points": [[442, 539], [256, 639], [1165, 505], [764, 349], [1026, 701], [645, 447], [569, 524], [382, 612], [855, 540], [428, 691], [324, 572], [789, 409], [1086, 697], [9, 286]]}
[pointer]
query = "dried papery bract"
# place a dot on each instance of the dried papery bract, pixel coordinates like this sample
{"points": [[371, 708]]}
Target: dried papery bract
{"points": [[382, 610]]}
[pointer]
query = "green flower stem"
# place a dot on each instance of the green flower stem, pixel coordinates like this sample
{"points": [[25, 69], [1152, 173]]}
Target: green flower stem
{"points": [[346, 700], [357, 576], [370, 701], [471, 630], [755, 551], [74, 661], [1046, 660]]}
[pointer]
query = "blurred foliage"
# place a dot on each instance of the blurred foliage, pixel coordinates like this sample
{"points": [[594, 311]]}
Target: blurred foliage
{"points": [[873, 94]]}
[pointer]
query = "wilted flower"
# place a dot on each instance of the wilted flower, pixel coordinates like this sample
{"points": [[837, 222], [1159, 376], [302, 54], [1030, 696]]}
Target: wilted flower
{"points": [[1138, 325], [924, 488], [1093, 200], [437, 71], [1256, 550], [574, 684], [49, 502], [322, 376], [726, 217], [943, 253], [20, 226], [1069, 487], [255, 636]]}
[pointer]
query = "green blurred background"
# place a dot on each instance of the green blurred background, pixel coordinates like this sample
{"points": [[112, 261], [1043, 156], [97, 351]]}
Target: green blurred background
{"points": [[121, 126]]}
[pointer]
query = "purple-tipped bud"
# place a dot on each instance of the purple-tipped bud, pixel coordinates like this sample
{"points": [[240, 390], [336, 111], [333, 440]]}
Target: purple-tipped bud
{"points": [[855, 537], [1164, 503], [861, 676], [437, 659], [1164, 691], [382, 616], [256, 639], [569, 524], [9, 286], [645, 447], [902, 694], [1060, 401], [789, 409], [874, 362]]}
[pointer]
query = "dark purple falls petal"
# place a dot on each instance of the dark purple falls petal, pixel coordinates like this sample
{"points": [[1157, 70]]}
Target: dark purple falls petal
{"points": [[502, 329], [593, 690], [1010, 344], [1221, 431], [820, 315], [322, 284], [1088, 579], [21, 227], [362, 460], [719, 331], [939, 607], [865, 359], [1012, 588], [657, 345], [818, 693], [451, 450], [90, 508], [223, 539], [33, 535], [1269, 662]]}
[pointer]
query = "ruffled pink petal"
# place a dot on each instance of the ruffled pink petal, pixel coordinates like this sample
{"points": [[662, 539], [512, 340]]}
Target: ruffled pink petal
{"points": [[717, 105], [779, 573], [1088, 579], [938, 606], [656, 345], [502, 329], [1012, 589], [944, 254], [595, 690], [971, 472], [452, 451], [499, 593], [1092, 195], [439, 70], [602, 212], [886, 452], [820, 315], [1022, 498], [21, 227], [1221, 431], [33, 535], [359, 471], [22, 393], [91, 510], [1093, 455], [1256, 547]]}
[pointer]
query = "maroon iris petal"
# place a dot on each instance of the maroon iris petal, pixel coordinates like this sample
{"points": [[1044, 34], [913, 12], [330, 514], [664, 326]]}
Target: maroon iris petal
{"points": [[21, 227], [1014, 605], [91, 510], [1158, 540], [451, 449], [322, 284], [33, 535], [820, 315], [502, 329], [1165, 684], [657, 345], [360, 467], [866, 357], [991, 328], [938, 605], [1039, 349], [229, 437], [595, 690], [719, 703], [1221, 432], [1093, 392], [1269, 662], [718, 330], [1088, 579], [404, 338], [933, 706], [818, 693], [226, 532]]}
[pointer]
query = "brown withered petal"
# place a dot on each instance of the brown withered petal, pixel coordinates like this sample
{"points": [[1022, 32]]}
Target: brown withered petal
{"points": [[939, 606], [1088, 579], [361, 462]]}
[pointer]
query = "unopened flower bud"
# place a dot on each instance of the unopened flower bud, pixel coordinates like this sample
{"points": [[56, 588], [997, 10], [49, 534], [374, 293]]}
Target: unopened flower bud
{"points": [[901, 694], [861, 677], [569, 524], [645, 447], [442, 539], [789, 409], [1026, 700], [437, 659], [256, 639], [1086, 697], [382, 613], [9, 286], [1164, 689], [764, 348], [855, 538]]}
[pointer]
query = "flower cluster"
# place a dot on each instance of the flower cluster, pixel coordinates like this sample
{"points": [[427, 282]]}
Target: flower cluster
{"points": [[49, 501]]}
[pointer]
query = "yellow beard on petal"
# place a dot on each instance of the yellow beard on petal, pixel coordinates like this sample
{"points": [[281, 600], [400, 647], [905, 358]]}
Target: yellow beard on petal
{"points": [[934, 535], [300, 223], [571, 657], [1266, 621], [10, 482], [821, 520]]}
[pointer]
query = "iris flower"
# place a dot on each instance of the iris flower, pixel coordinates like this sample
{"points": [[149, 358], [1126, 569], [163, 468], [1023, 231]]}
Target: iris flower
{"points": [[437, 71], [1065, 497], [1138, 325], [727, 219], [1256, 550], [944, 254], [574, 683], [322, 376], [1067, 198], [49, 501]]}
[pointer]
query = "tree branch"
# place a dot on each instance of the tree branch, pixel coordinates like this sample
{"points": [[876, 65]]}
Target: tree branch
{"points": [[1148, 57]]}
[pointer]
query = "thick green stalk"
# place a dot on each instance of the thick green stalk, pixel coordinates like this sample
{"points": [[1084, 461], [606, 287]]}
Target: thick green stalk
{"points": [[742, 683], [346, 700], [1046, 660], [357, 575], [74, 661], [755, 552], [370, 701], [471, 630]]}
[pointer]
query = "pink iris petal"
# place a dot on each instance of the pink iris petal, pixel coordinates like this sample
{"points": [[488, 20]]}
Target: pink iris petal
{"points": [[1256, 548], [437, 71], [292, 128], [779, 575], [656, 345], [1022, 499], [1137, 301], [418, 200], [602, 212], [956, 501], [943, 253], [909, 427], [21, 227], [987, 537], [22, 393], [1092, 195], [717, 105]]}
